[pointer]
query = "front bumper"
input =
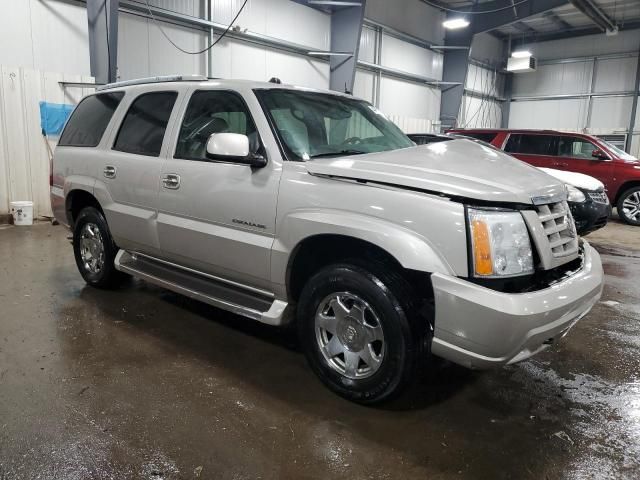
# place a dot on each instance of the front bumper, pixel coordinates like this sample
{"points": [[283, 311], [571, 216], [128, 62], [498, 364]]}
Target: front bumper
{"points": [[589, 215], [481, 328]]}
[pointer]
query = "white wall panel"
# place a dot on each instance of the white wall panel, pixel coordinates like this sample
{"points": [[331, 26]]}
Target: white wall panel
{"points": [[194, 8], [45, 34], [281, 19], [153, 54], [611, 113], [484, 80], [409, 99], [478, 113], [297, 70], [411, 16], [363, 85], [24, 158], [554, 114], [411, 58], [366, 51], [554, 80], [236, 59], [616, 74]]}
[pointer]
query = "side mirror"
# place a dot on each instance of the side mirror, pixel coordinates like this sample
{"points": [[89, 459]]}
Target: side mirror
{"points": [[599, 154], [233, 147]]}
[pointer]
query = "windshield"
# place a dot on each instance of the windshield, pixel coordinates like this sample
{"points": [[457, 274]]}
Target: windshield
{"points": [[620, 153], [314, 125]]}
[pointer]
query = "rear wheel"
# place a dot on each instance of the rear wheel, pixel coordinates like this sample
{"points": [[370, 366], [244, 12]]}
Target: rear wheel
{"points": [[629, 206], [358, 332], [95, 250]]}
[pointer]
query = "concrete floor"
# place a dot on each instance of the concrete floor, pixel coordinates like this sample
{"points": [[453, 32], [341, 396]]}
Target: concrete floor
{"points": [[142, 383]]}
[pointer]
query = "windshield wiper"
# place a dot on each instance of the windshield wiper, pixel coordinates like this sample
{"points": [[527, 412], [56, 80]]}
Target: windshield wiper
{"points": [[335, 154]]}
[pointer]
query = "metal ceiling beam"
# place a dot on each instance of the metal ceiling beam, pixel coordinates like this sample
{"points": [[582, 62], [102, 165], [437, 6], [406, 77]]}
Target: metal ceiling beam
{"points": [[523, 27], [595, 14], [504, 12], [571, 33], [553, 17]]}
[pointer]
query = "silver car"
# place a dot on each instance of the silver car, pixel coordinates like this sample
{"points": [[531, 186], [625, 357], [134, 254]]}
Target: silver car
{"points": [[286, 204]]}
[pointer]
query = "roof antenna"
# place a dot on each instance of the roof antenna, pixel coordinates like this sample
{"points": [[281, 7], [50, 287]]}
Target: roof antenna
{"points": [[275, 80]]}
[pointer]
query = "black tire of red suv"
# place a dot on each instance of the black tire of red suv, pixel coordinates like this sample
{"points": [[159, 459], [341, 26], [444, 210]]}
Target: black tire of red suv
{"points": [[632, 198], [389, 297], [95, 250]]}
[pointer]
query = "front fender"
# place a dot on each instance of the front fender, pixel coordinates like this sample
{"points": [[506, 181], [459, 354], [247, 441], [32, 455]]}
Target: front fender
{"points": [[411, 250]]}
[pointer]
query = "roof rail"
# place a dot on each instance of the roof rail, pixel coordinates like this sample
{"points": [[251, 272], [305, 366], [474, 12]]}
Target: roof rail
{"points": [[160, 79]]}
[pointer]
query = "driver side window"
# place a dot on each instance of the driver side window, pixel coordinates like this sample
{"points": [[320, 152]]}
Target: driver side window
{"points": [[575, 147], [209, 112]]}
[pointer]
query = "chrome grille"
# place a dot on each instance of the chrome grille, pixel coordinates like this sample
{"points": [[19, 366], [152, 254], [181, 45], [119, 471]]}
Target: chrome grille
{"points": [[599, 197], [559, 228]]}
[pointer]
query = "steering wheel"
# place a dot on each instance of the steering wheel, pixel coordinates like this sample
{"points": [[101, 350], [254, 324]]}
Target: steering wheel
{"points": [[352, 141]]}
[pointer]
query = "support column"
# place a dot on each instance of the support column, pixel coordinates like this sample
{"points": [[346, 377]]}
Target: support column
{"points": [[102, 17], [346, 27], [455, 66]]}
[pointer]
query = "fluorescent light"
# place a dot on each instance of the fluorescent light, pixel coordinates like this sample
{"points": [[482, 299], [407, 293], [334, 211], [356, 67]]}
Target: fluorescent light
{"points": [[455, 23], [521, 54]]}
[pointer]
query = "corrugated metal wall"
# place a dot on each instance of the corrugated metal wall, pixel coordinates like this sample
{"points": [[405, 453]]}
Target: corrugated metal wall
{"points": [[45, 34], [24, 158]]}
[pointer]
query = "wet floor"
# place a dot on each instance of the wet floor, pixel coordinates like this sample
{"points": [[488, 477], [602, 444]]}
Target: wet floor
{"points": [[142, 383]]}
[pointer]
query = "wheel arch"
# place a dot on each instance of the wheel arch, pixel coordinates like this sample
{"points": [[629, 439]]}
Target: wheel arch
{"points": [[76, 200], [624, 187]]}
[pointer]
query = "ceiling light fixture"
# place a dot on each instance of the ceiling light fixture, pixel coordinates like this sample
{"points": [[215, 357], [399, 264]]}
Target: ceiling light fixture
{"points": [[455, 23], [521, 54]]}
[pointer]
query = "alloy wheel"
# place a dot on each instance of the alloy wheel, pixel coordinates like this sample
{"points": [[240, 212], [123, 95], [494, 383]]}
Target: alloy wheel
{"points": [[349, 335]]}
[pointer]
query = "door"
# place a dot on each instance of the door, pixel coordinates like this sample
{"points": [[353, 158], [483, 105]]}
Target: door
{"points": [[575, 154], [218, 217], [131, 171], [533, 148]]}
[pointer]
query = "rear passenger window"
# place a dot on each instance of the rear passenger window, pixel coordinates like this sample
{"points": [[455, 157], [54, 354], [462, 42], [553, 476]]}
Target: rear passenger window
{"points": [[485, 137], [89, 120], [142, 129], [530, 144]]}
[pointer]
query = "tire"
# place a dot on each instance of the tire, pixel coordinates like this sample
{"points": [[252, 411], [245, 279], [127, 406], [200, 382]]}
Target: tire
{"points": [[384, 368], [629, 206], [95, 250]]}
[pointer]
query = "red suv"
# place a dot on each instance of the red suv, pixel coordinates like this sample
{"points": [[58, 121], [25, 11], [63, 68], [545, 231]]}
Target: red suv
{"points": [[574, 152]]}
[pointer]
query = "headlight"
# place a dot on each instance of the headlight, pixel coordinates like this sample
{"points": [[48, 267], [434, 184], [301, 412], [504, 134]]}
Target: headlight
{"points": [[574, 195], [500, 245]]}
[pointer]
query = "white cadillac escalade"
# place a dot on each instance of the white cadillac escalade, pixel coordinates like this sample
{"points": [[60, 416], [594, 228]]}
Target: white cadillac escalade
{"points": [[286, 204]]}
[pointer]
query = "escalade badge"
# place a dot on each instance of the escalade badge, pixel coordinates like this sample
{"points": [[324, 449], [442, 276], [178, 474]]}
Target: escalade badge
{"points": [[248, 224]]}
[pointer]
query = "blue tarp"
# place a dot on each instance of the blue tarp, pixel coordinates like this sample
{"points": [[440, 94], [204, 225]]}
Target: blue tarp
{"points": [[53, 117]]}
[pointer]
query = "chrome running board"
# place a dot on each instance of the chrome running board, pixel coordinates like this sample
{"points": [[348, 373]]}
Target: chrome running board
{"points": [[228, 296]]}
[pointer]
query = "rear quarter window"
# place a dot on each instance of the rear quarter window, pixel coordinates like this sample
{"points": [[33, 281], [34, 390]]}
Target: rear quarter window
{"points": [[89, 120]]}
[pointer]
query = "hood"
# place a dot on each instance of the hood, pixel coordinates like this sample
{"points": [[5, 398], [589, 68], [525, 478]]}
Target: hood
{"points": [[461, 168], [579, 180]]}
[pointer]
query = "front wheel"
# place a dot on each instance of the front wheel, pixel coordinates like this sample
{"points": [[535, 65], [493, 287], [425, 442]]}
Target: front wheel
{"points": [[629, 206], [357, 333], [94, 250]]}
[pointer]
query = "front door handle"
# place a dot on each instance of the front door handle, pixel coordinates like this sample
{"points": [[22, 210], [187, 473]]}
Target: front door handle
{"points": [[171, 181], [109, 171]]}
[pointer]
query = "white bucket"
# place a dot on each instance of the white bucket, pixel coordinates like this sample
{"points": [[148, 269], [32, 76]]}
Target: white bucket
{"points": [[22, 212]]}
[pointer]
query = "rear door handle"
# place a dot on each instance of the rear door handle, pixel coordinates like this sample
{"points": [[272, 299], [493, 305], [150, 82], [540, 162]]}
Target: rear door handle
{"points": [[171, 181], [109, 171]]}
